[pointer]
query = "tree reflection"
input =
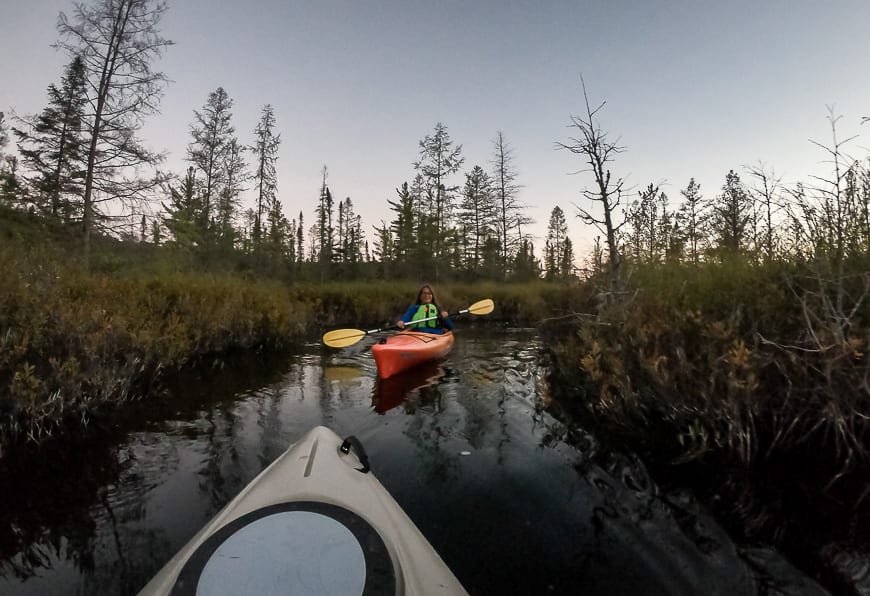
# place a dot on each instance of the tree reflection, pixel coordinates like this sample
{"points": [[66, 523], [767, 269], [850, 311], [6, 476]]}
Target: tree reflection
{"points": [[46, 505]]}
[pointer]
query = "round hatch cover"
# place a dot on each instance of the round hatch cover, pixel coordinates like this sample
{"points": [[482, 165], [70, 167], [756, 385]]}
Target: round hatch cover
{"points": [[299, 548]]}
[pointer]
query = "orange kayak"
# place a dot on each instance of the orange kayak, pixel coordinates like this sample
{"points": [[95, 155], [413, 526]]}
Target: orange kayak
{"points": [[409, 348]]}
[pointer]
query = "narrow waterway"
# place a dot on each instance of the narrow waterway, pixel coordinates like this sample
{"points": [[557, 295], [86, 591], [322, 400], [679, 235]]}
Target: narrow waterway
{"points": [[466, 447]]}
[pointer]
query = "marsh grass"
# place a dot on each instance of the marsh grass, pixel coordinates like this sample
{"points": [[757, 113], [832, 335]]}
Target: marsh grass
{"points": [[72, 340], [79, 339], [753, 380]]}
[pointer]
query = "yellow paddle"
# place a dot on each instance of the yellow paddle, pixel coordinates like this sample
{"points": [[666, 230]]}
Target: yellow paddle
{"points": [[341, 338]]}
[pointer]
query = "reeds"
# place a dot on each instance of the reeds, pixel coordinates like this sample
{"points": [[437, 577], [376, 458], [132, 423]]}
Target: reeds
{"points": [[72, 340], [734, 367]]}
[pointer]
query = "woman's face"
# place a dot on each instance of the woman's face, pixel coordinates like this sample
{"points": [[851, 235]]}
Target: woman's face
{"points": [[426, 296]]}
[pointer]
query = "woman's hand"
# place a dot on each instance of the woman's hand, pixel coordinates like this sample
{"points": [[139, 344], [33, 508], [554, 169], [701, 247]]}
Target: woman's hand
{"points": [[444, 314], [400, 324]]}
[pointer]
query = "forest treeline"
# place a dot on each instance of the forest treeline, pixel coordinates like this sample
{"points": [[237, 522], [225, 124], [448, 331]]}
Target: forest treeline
{"points": [[79, 161]]}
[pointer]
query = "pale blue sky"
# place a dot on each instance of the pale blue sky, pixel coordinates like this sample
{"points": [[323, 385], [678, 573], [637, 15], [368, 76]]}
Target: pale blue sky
{"points": [[693, 88]]}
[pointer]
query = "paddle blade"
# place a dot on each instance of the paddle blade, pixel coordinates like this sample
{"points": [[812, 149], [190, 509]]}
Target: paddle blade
{"points": [[341, 338], [484, 307]]}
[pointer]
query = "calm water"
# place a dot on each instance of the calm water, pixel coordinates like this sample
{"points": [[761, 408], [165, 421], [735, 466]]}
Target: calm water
{"points": [[466, 447]]}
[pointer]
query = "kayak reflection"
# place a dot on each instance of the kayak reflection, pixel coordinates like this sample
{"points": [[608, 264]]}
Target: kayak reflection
{"points": [[394, 391]]}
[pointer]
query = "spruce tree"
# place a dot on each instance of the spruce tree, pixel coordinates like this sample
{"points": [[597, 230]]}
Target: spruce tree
{"points": [[52, 146], [731, 213], [183, 212], [478, 212], [300, 237], [323, 231], [404, 227], [557, 249], [235, 175], [693, 217], [265, 151], [439, 159], [210, 151]]}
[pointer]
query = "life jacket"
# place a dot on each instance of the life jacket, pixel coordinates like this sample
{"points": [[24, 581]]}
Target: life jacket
{"points": [[424, 312]]}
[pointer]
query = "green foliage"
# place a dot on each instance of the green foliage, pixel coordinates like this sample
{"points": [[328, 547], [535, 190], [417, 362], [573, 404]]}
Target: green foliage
{"points": [[559, 252], [730, 218], [52, 145]]}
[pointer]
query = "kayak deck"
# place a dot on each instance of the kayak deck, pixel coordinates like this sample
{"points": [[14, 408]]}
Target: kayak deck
{"points": [[314, 522], [407, 349]]}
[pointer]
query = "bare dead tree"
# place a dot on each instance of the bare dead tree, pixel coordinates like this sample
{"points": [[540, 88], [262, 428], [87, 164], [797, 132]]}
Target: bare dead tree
{"points": [[593, 144], [830, 192], [510, 214], [765, 193], [834, 295], [117, 40]]}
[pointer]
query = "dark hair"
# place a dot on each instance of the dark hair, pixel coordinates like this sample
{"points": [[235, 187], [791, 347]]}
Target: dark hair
{"points": [[420, 294]]}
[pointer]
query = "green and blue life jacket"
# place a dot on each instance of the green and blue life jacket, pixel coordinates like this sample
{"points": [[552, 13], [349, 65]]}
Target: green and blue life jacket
{"points": [[424, 312]]}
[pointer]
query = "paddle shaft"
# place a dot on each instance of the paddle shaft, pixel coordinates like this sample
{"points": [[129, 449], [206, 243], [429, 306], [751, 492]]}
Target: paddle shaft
{"points": [[414, 322], [340, 338], [456, 314]]}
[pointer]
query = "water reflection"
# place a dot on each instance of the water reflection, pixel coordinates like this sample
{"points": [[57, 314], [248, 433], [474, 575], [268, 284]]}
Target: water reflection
{"points": [[514, 501], [410, 388]]}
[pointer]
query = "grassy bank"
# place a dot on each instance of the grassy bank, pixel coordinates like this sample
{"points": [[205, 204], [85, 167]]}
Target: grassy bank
{"points": [[73, 341], [76, 340], [749, 383]]}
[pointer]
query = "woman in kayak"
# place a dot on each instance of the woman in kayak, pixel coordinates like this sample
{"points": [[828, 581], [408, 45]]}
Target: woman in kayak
{"points": [[425, 308]]}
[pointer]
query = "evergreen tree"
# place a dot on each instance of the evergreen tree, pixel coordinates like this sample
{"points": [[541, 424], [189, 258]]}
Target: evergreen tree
{"points": [[404, 227], [566, 260], [731, 214], [52, 146], [291, 246], [300, 237], [323, 231], [595, 261], [350, 238], [184, 212], [228, 204], [265, 150], [211, 149], [156, 232], [525, 266], [559, 257], [278, 237], [250, 220], [478, 213], [491, 264], [11, 190], [650, 226], [422, 256], [439, 159], [384, 250], [693, 217]]}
